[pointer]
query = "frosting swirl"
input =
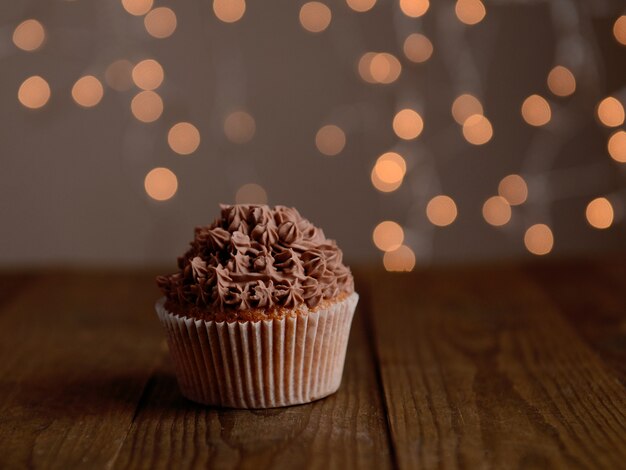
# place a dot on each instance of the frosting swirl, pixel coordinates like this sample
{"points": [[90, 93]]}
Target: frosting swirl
{"points": [[255, 256]]}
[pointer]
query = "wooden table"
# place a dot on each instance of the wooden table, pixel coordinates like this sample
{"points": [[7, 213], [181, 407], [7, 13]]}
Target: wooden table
{"points": [[476, 367]]}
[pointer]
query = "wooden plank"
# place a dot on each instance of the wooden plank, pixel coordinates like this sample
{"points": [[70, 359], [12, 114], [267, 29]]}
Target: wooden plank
{"points": [[75, 353], [481, 371], [11, 284], [345, 430]]}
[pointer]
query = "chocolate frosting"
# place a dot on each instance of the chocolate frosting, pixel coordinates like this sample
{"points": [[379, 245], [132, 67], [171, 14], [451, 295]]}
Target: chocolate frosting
{"points": [[254, 256]]}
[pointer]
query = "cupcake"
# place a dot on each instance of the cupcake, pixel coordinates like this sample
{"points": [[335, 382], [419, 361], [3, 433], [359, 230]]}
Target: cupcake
{"points": [[258, 314]]}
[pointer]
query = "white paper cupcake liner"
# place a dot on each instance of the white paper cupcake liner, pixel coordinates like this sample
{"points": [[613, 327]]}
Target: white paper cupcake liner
{"points": [[262, 364]]}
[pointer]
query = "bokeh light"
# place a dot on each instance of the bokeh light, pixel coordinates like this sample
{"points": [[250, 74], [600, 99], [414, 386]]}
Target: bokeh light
{"points": [[441, 210], [160, 184], [417, 48], [160, 22], [388, 235], [34, 92], [364, 67], [384, 68], [536, 111], [617, 146], [539, 239], [470, 12], [229, 11], [388, 172], [619, 30], [611, 112], [361, 5], [414, 8], [600, 213], [561, 81], [29, 35], [183, 138], [514, 189], [239, 127], [330, 140], [137, 7], [118, 75], [477, 129], [147, 106], [496, 211], [408, 124], [315, 17], [251, 193], [465, 106], [87, 91], [400, 259], [148, 74]]}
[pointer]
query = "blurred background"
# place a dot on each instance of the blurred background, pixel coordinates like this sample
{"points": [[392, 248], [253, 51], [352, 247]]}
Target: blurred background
{"points": [[412, 132]]}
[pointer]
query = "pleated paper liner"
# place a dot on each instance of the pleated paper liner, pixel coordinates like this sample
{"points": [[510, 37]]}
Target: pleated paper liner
{"points": [[262, 364]]}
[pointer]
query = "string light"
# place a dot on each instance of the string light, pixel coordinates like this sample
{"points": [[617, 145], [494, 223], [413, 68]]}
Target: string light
{"points": [[147, 106], [599, 213], [229, 11], [361, 5], [118, 75], [611, 112], [441, 210], [183, 138], [87, 91], [160, 22], [561, 81], [160, 184], [619, 30], [536, 111], [29, 35], [148, 74], [417, 48], [239, 127], [137, 7], [477, 129], [400, 259], [465, 106], [408, 124], [315, 17], [617, 146], [470, 12], [388, 235], [496, 211], [513, 188], [414, 8], [251, 193], [388, 172], [330, 140], [364, 67], [384, 68], [34, 92], [539, 239]]}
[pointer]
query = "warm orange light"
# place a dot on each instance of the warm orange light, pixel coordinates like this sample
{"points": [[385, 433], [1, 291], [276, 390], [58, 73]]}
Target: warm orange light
{"points": [[315, 17], [118, 75], [34, 92], [417, 48], [147, 106], [477, 129], [441, 210], [364, 67], [561, 81], [617, 146], [160, 184], [400, 259], [384, 68], [160, 22], [496, 211], [470, 12], [251, 193], [229, 11], [414, 8], [408, 124], [599, 213], [29, 35], [388, 172], [330, 140], [361, 5], [536, 111], [611, 112], [513, 188], [619, 30], [137, 7], [183, 138], [148, 74], [388, 235], [539, 239], [465, 106], [87, 91], [239, 127]]}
